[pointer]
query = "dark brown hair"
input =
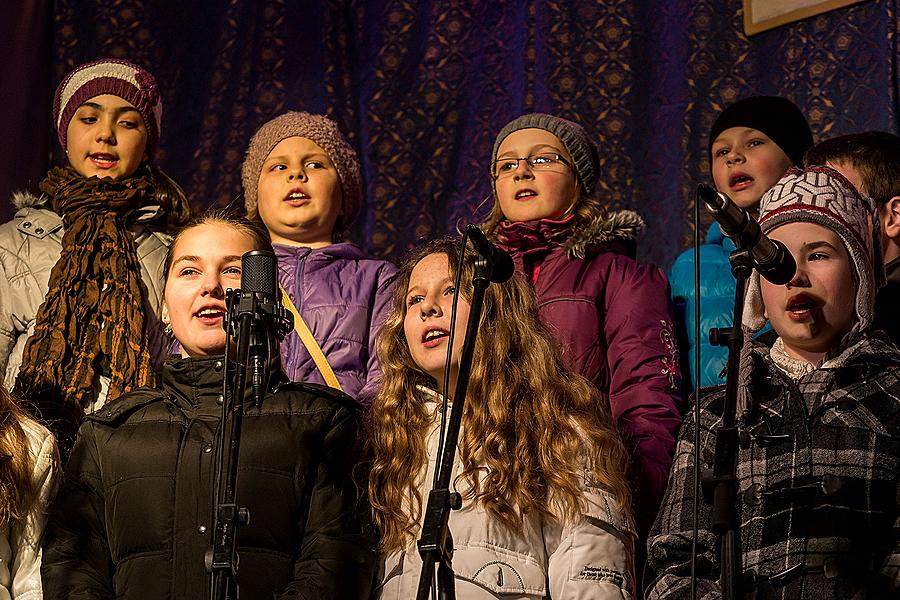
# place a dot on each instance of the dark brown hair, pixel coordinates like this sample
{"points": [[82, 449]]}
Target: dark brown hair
{"points": [[875, 154], [255, 229]]}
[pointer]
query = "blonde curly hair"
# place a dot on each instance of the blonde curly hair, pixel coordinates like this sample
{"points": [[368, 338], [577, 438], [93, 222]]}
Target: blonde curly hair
{"points": [[529, 424]]}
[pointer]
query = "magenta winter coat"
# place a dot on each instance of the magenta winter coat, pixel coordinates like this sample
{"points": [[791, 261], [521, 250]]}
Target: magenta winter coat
{"points": [[344, 297], [611, 317]]}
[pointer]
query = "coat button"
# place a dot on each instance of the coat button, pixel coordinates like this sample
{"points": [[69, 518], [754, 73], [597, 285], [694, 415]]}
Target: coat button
{"points": [[753, 495], [201, 529], [220, 399], [218, 366], [207, 448], [26, 224], [831, 484], [39, 230], [845, 405]]}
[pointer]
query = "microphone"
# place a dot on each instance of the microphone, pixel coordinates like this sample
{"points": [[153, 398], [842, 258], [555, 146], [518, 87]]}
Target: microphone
{"points": [[259, 292], [770, 257], [500, 262], [258, 274], [258, 282]]}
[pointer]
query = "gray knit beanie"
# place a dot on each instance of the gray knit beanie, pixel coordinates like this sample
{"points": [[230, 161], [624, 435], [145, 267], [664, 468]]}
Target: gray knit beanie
{"points": [[573, 136], [321, 130]]}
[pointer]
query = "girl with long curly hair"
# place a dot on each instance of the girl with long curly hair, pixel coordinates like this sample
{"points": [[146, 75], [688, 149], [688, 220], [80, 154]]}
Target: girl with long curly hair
{"points": [[541, 469], [29, 468]]}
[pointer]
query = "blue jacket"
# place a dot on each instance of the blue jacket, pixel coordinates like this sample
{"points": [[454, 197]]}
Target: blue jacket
{"points": [[716, 303]]}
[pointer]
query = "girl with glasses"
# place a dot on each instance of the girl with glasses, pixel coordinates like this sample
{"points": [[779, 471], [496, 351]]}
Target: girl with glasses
{"points": [[609, 313]]}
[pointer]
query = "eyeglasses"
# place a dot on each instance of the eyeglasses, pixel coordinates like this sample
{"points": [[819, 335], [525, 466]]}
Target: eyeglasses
{"points": [[545, 161]]}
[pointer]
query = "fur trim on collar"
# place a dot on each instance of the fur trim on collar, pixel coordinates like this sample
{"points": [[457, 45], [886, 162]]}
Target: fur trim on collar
{"points": [[621, 225], [25, 199]]}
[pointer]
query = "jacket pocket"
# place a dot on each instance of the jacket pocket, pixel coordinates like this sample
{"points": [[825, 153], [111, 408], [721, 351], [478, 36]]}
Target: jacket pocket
{"points": [[500, 570]]}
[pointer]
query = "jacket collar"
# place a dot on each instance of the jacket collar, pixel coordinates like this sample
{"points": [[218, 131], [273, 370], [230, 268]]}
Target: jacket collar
{"points": [[620, 227], [194, 380], [715, 236], [871, 351], [615, 228], [892, 270], [540, 234], [340, 250]]}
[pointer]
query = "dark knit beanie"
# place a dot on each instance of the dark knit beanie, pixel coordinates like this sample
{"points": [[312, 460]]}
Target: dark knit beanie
{"points": [[573, 136], [109, 76], [777, 117], [321, 130]]}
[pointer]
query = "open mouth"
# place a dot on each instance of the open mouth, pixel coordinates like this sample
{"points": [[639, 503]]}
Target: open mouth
{"points": [[523, 194], [739, 181], [801, 306], [210, 315], [296, 198], [104, 160], [433, 337]]}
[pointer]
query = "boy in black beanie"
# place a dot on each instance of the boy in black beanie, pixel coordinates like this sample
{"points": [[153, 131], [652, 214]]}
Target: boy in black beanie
{"points": [[751, 145]]}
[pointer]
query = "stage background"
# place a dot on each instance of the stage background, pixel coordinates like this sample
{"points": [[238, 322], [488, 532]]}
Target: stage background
{"points": [[421, 88]]}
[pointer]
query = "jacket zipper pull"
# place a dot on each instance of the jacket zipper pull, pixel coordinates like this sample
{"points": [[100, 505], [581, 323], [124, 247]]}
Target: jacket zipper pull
{"points": [[500, 576]]}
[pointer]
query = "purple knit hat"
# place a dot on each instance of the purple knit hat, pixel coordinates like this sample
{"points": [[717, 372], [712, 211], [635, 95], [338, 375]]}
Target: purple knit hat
{"points": [[109, 76]]}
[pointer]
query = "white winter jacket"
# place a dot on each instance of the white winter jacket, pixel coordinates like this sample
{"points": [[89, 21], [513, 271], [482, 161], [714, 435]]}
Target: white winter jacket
{"points": [[592, 559], [20, 544]]}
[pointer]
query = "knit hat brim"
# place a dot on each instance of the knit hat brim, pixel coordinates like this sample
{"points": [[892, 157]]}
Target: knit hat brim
{"points": [[777, 117], [109, 76], [585, 161]]}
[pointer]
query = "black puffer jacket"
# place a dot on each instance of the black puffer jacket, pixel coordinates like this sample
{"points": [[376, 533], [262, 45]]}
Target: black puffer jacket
{"points": [[133, 517]]}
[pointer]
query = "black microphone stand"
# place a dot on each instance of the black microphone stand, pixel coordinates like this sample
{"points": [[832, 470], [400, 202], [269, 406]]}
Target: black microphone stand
{"points": [[247, 321], [720, 488], [436, 543]]}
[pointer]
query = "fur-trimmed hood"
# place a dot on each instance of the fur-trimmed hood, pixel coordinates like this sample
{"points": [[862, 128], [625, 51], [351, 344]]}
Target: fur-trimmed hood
{"points": [[618, 226], [25, 199]]}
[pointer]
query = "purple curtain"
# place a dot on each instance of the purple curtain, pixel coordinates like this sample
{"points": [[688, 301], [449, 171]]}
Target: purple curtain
{"points": [[421, 88], [26, 95]]}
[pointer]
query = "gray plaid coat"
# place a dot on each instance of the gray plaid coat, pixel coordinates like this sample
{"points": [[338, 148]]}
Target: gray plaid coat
{"points": [[818, 485]]}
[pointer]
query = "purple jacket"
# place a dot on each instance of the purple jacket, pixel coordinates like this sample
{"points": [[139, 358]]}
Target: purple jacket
{"points": [[612, 319], [344, 297]]}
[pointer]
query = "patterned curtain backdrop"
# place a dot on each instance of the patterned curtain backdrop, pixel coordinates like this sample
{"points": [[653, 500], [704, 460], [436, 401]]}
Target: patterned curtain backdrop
{"points": [[421, 88]]}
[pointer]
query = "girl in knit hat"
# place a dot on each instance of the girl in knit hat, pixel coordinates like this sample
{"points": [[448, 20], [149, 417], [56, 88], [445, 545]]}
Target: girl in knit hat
{"points": [[80, 265], [818, 416], [302, 180], [609, 313], [751, 145]]}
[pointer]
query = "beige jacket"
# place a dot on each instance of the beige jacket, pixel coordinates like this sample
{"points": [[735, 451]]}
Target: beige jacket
{"points": [[592, 559], [20, 547], [30, 246]]}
